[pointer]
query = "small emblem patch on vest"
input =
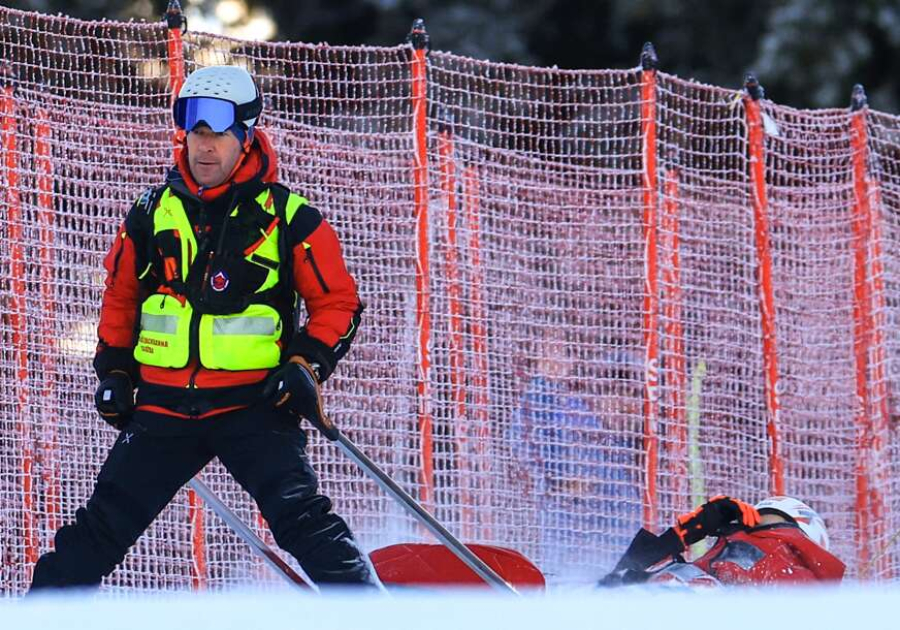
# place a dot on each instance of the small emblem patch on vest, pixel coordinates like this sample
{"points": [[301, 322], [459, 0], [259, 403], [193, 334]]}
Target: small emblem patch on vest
{"points": [[219, 282]]}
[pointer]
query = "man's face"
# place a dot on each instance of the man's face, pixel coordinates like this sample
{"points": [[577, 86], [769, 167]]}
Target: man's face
{"points": [[211, 155]]}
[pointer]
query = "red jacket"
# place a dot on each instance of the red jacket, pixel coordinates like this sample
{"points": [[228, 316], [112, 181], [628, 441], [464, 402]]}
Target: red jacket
{"points": [[319, 276], [770, 554]]}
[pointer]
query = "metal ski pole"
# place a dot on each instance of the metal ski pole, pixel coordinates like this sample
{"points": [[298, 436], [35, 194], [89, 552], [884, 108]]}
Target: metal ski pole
{"points": [[256, 544], [485, 572]]}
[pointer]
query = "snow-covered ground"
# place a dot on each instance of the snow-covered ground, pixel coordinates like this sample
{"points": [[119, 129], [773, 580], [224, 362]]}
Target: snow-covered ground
{"points": [[850, 607]]}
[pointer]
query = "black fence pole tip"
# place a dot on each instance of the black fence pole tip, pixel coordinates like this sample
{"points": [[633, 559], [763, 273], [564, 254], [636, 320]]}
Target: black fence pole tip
{"points": [[418, 36], [174, 17], [752, 87], [649, 60], [858, 98]]}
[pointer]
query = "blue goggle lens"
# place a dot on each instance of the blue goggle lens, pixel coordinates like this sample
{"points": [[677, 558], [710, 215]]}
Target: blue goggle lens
{"points": [[217, 114]]}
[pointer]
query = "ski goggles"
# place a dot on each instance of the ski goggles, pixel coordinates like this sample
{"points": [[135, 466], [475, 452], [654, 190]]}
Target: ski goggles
{"points": [[216, 113]]}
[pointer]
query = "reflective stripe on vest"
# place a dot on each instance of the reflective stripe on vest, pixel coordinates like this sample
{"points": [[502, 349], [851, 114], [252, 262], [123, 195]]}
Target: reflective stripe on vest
{"points": [[243, 326], [245, 341], [167, 324], [239, 341]]}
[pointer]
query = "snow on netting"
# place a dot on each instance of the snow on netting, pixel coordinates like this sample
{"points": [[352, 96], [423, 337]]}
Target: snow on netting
{"points": [[549, 176], [885, 144], [537, 270]]}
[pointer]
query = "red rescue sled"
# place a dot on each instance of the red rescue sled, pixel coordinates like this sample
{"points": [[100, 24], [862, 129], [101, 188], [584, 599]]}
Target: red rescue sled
{"points": [[415, 564]]}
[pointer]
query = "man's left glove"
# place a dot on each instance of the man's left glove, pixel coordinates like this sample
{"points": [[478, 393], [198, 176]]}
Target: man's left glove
{"points": [[712, 517], [295, 387], [114, 399]]}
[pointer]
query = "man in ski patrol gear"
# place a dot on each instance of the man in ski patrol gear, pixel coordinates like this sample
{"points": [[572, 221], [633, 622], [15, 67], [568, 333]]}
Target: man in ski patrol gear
{"points": [[780, 540], [198, 317]]}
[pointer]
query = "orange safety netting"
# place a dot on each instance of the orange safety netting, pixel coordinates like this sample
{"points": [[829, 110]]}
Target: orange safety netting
{"points": [[568, 276]]}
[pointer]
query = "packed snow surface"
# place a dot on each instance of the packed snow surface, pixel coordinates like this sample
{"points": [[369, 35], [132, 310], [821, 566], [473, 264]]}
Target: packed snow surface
{"points": [[846, 607]]}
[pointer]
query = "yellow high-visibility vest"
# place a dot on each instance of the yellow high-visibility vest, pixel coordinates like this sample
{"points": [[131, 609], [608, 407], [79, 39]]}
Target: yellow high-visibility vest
{"points": [[246, 340]]}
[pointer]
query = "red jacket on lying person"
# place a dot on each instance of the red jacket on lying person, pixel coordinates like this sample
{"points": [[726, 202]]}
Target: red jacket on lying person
{"points": [[769, 554], [780, 540]]}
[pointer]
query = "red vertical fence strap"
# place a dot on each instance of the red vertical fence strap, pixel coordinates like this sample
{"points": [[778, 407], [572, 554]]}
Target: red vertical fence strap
{"points": [[423, 289], [868, 313], [480, 409], [19, 322], [199, 574], [861, 337], [675, 368], [456, 350], [651, 295], [50, 468], [755, 139], [265, 534], [880, 414]]}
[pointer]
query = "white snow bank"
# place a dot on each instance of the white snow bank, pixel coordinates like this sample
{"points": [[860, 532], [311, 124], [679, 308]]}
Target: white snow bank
{"points": [[846, 607]]}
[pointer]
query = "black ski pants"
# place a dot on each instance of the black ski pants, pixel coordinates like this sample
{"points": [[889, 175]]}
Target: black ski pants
{"points": [[155, 455]]}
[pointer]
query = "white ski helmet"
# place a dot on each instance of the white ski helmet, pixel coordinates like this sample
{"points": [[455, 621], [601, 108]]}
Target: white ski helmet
{"points": [[797, 511], [207, 93]]}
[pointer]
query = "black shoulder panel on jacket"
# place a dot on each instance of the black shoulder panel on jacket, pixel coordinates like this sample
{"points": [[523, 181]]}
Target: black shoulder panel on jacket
{"points": [[139, 227], [305, 220], [139, 221]]}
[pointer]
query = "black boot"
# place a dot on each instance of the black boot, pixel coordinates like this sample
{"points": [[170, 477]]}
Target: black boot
{"points": [[322, 543], [81, 560]]}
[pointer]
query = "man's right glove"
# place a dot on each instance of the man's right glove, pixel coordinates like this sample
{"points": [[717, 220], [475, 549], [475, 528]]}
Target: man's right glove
{"points": [[712, 517], [295, 387], [114, 399]]}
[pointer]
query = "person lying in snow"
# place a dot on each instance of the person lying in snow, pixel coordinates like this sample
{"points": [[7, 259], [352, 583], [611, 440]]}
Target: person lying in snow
{"points": [[780, 540]]}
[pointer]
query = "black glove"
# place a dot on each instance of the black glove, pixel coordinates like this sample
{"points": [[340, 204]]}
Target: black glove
{"points": [[114, 399], [714, 516], [295, 387], [644, 551]]}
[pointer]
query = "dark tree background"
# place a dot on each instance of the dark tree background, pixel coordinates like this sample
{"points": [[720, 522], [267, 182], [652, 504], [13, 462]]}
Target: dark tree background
{"points": [[807, 53]]}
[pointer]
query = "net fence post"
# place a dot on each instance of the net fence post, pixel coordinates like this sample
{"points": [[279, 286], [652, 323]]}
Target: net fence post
{"points": [[753, 92], [18, 314], [868, 304], [418, 41], [861, 327], [175, 24], [650, 185]]}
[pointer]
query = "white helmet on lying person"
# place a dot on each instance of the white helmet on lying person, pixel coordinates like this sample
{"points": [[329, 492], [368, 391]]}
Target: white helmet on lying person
{"points": [[798, 512]]}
